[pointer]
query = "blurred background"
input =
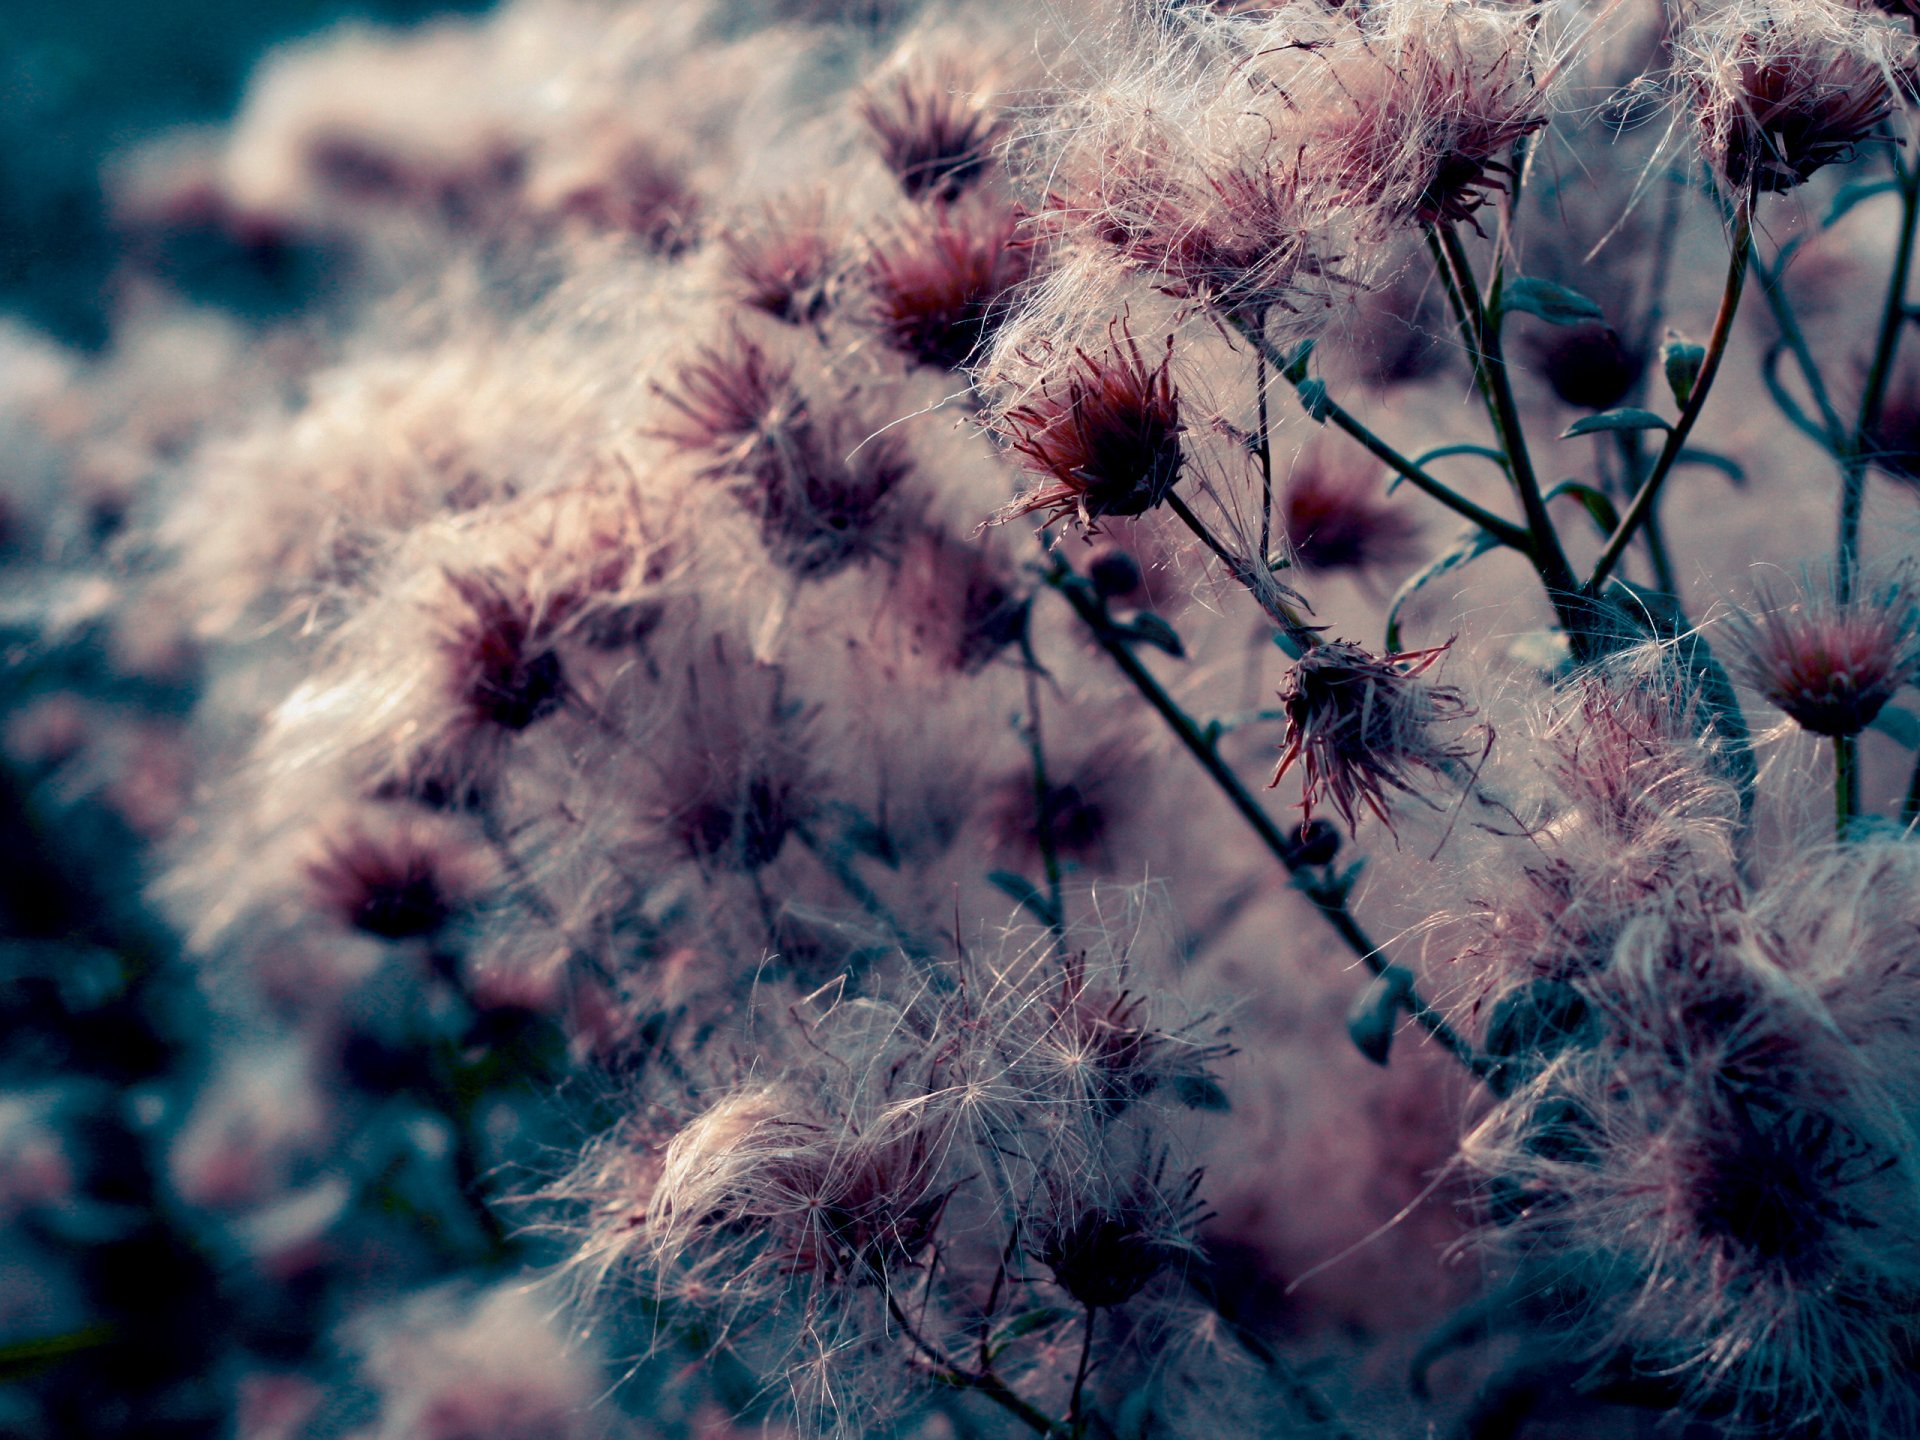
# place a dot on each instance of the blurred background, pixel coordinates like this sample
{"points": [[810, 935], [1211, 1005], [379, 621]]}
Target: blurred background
{"points": [[83, 79]]}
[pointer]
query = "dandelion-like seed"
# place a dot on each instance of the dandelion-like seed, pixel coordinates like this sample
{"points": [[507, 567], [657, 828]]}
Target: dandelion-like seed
{"points": [[942, 281], [1361, 725], [934, 131], [1110, 445], [1832, 665]]}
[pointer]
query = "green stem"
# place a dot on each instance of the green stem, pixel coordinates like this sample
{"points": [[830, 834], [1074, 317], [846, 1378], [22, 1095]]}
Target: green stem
{"points": [[1237, 566], [1326, 409], [1649, 492], [981, 1382], [1076, 1421], [1893, 314], [1483, 332], [1846, 784]]}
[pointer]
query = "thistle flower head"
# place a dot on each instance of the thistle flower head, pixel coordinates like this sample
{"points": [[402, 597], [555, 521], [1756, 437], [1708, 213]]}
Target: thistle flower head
{"points": [[944, 278], [1107, 443], [933, 127], [1782, 90], [1831, 664], [1361, 725], [502, 666], [403, 879]]}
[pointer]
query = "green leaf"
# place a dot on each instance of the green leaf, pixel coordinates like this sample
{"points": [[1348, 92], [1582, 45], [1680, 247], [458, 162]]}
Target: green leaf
{"points": [[1902, 725], [1200, 1092], [1682, 359], [1442, 452], [1851, 194], [1020, 1326], [1555, 304], [1713, 460], [1623, 419], [1375, 1015], [1597, 504], [1017, 887], [1469, 546], [1149, 629]]}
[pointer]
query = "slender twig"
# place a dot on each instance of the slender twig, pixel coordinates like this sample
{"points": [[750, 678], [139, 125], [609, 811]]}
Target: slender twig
{"points": [[981, 1382], [1241, 569], [1043, 809], [1484, 320], [1649, 492], [1075, 1420], [1846, 784]]}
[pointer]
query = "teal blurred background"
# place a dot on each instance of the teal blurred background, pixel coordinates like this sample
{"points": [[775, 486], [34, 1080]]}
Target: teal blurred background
{"points": [[82, 78]]}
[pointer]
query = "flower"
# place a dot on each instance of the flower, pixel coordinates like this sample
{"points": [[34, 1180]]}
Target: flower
{"points": [[1780, 94], [1109, 446], [1360, 725], [784, 265], [941, 282], [1333, 520], [1831, 664], [935, 133], [1103, 1252]]}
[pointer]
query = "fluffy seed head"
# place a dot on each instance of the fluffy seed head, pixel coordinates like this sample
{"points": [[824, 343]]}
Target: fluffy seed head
{"points": [[934, 130], [1831, 664], [1360, 725], [943, 280], [1780, 94], [783, 265]]}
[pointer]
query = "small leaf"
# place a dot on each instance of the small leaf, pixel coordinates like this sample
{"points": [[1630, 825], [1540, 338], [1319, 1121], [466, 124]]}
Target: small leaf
{"points": [[1375, 1015], [1150, 629], [1200, 1092], [1555, 304], [1623, 419], [1313, 397], [1026, 1324], [1850, 195], [1713, 460], [1902, 725], [1022, 890], [1596, 502], [1442, 452], [1470, 545], [1681, 359]]}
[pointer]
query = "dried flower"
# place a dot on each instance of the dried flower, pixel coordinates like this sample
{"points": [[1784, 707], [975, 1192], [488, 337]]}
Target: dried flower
{"points": [[1800, 88], [942, 281], [1424, 113], [1103, 1253], [402, 880], [1832, 664], [502, 666], [1110, 445], [784, 265], [1335, 519], [934, 130], [1360, 725]]}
